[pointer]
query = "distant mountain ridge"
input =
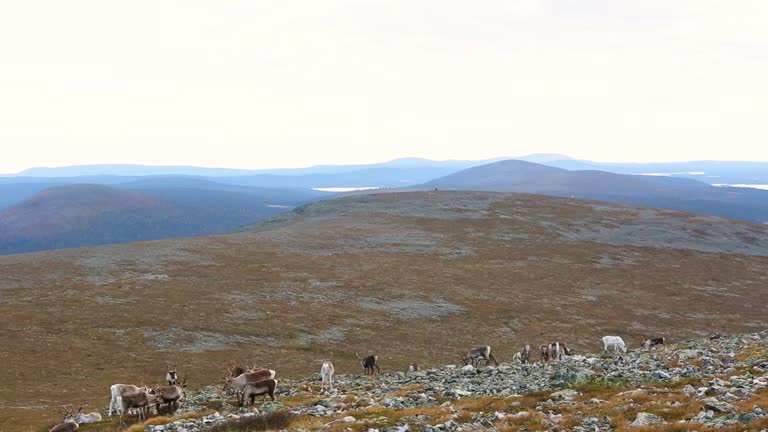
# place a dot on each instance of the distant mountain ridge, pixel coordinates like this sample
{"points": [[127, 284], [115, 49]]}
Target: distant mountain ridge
{"points": [[664, 192]]}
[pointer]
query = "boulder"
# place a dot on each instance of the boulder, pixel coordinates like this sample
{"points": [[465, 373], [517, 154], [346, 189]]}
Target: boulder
{"points": [[647, 419]]}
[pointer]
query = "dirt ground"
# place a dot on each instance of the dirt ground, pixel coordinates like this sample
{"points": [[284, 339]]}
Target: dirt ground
{"points": [[414, 277]]}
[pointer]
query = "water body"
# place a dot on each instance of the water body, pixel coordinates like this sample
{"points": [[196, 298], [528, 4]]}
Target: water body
{"points": [[346, 189], [753, 186]]}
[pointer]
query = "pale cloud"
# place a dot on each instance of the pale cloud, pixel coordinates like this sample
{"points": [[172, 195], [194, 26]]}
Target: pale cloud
{"points": [[292, 83]]}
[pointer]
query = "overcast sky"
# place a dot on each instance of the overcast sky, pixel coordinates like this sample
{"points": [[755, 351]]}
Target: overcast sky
{"points": [[281, 83]]}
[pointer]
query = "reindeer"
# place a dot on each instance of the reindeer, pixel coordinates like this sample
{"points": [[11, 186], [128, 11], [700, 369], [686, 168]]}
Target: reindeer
{"points": [[326, 373], [653, 342], [614, 342], [141, 401], [556, 351], [525, 354], [253, 389], [544, 353], [237, 383], [476, 355], [170, 395], [69, 424], [234, 370], [118, 390], [172, 377], [414, 367], [81, 418], [369, 364]]}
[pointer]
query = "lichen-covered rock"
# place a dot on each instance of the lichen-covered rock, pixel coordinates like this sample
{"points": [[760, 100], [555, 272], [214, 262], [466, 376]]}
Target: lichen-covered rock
{"points": [[647, 419]]}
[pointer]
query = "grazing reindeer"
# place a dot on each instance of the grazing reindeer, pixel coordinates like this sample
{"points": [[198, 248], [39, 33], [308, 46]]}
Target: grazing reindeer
{"points": [[93, 417], [556, 351], [476, 355], [326, 373], [653, 342], [118, 390], [172, 377], [253, 389], [69, 424], [544, 353], [170, 395], [241, 380], [414, 367], [141, 401], [518, 357], [615, 342], [525, 354], [369, 364]]}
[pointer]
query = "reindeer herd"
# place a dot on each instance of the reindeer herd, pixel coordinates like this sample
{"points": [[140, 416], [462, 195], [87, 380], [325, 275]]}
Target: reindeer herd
{"points": [[247, 384]]}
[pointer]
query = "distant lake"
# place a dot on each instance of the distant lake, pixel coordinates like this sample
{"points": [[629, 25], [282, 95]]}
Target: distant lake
{"points": [[346, 189], [753, 186]]}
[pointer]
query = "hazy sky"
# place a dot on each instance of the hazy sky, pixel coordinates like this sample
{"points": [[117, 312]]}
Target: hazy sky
{"points": [[293, 83]]}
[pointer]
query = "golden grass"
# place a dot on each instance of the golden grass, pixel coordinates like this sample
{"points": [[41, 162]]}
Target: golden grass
{"points": [[406, 390], [194, 415], [299, 399], [534, 421], [484, 404]]}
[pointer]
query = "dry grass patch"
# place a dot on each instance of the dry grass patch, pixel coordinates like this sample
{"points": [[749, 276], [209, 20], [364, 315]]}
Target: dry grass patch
{"points": [[532, 399], [299, 399], [372, 417], [194, 415], [272, 421], [483, 404], [405, 391], [532, 421], [760, 399], [307, 422]]}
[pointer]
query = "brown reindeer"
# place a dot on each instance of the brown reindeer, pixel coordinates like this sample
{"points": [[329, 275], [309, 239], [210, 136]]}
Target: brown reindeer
{"points": [[141, 401], [477, 355], [238, 383], [234, 370], [544, 353], [69, 424], [170, 395], [252, 389], [525, 354], [369, 364], [653, 342]]}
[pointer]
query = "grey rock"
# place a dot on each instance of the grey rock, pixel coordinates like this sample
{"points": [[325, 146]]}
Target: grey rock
{"points": [[647, 419]]}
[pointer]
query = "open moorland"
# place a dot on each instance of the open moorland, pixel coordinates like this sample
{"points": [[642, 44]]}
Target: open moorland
{"points": [[414, 277]]}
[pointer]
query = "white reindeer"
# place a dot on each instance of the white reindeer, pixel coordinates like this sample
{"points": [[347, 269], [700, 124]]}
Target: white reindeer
{"points": [[326, 372], [614, 342], [93, 417], [118, 390]]}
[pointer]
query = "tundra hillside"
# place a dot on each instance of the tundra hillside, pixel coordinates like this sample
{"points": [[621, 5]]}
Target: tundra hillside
{"points": [[411, 277]]}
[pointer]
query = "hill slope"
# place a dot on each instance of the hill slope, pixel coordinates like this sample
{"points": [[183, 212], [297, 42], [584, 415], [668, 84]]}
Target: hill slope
{"points": [[415, 277], [82, 215], [672, 193]]}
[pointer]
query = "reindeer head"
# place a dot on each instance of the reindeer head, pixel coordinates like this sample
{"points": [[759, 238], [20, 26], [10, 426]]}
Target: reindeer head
{"points": [[172, 375], [465, 360], [69, 416], [360, 359]]}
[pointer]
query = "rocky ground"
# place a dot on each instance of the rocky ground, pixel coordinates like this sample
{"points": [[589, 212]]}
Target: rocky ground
{"points": [[716, 383]]}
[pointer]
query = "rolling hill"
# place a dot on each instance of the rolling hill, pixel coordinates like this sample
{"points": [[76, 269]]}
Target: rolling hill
{"points": [[664, 192], [82, 215], [414, 277]]}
